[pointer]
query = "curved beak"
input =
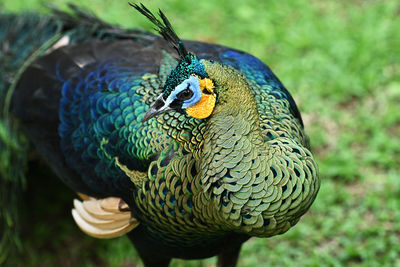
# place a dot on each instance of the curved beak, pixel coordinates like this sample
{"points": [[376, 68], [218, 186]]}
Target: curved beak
{"points": [[158, 107]]}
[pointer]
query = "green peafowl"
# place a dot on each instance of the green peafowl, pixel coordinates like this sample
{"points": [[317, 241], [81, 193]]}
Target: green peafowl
{"points": [[187, 147]]}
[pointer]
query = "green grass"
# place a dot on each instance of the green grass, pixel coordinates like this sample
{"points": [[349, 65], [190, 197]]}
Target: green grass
{"points": [[341, 62]]}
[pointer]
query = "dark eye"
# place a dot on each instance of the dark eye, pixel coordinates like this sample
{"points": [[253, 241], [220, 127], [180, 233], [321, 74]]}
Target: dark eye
{"points": [[185, 94]]}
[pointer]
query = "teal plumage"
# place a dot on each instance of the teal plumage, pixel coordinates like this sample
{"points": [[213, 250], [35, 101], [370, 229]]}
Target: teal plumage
{"points": [[121, 113], [15, 51]]}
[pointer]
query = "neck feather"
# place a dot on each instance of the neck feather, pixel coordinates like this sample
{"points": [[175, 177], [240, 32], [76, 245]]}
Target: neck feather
{"points": [[249, 184]]}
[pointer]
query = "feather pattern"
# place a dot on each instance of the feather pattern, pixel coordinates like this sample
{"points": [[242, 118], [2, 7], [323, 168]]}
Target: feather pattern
{"points": [[192, 184]]}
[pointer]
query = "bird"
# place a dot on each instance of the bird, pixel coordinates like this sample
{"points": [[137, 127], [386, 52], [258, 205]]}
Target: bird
{"points": [[188, 148]]}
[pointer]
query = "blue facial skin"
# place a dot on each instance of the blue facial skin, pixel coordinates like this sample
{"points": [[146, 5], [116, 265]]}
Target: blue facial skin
{"points": [[194, 85]]}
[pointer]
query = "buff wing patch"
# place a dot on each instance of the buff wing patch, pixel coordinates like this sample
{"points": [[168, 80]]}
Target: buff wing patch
{"points": [[103, 218]]}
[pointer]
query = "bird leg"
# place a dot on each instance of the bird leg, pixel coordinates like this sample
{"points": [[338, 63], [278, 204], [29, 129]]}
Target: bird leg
{"points": [[229, 256], [152, 259]]}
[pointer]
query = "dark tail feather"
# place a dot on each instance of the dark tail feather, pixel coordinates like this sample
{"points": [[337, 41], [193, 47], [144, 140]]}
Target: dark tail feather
{"points": [[13, 158], [19, 45], [23, 38]]}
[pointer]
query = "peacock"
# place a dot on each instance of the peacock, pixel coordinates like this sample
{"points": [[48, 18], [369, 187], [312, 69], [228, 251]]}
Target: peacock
{"points": [[188, 148]]}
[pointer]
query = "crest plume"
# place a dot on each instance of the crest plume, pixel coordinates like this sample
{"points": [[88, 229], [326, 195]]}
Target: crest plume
{"points": [[164, 28]]}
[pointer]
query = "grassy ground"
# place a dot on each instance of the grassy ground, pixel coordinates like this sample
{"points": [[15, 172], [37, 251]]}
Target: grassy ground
{"points": [[341, 62]]}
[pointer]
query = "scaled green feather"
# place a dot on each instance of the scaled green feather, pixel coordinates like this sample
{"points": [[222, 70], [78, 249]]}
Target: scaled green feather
{"points": [[226, 175]]}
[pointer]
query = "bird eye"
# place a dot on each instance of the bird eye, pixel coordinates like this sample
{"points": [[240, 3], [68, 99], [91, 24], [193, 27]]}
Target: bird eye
{"points": [[185, 94]]}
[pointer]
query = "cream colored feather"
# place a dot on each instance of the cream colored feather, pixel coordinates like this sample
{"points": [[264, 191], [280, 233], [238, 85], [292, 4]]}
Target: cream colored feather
{"points": [[103, 218]]}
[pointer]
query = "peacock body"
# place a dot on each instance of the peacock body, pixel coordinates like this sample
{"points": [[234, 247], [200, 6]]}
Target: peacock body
{"points": [[207, 148]]}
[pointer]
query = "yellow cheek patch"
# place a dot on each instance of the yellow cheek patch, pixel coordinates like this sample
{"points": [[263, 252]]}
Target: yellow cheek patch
{"points": [[204, 108], [206, 105], [207, 84]]}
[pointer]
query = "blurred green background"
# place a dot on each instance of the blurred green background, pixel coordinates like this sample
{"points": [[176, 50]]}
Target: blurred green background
{"points": [[341, 62]]}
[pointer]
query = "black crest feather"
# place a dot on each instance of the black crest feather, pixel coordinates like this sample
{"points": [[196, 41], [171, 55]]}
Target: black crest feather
{"points": [[164, 28]]}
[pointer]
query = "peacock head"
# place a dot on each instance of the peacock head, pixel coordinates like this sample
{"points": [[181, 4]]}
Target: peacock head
{"points": [[188, 87]]}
